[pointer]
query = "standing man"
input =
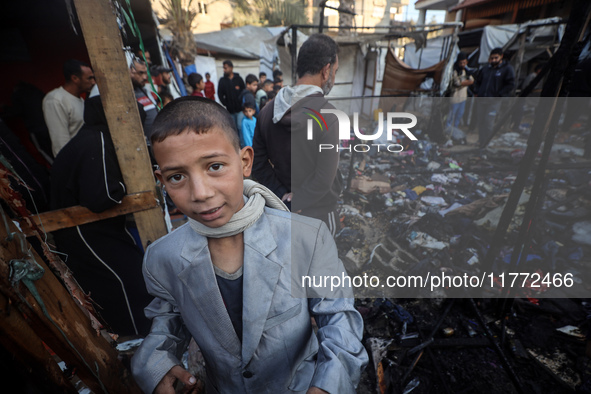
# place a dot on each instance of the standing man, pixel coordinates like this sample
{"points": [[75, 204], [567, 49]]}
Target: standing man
{"points": [[460, 82], [139, 77], [63, 108], [229, 88], [313, 187], [497, 79]]}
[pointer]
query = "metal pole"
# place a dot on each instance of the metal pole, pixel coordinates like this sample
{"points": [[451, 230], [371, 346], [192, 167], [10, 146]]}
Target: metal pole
{"points": [[294, 54], [576, 25]]}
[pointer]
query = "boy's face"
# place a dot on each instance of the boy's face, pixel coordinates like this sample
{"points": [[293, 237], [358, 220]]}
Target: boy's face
{"points": [[249, 112], [203, 174], [252, 86]]}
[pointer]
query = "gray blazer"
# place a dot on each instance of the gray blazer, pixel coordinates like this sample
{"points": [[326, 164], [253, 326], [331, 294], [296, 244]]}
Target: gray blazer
{"points": [[279, 352]]}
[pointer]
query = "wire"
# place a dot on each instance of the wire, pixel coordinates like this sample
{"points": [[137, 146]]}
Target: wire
{"points": [[135, 29]]}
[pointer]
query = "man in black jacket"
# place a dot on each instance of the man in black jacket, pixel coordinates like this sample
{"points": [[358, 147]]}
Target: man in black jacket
{"points": [[103, 255], [285, 159], [229, 89], [497, 79]]}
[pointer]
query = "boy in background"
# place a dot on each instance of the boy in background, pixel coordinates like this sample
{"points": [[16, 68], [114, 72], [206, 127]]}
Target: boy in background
{"points": [[225, 278], [262, 94], [196, 82], [209, 89], [249, 122], [247, 97]]}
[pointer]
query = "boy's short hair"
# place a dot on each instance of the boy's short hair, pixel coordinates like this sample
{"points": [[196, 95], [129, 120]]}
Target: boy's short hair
{"points": [[166, 95], [228, 63], [277, 73], [262, 74], [497, 51], [197, 114], [207, 74], [194, 79], [268, 82], [250, 78], [248, 105]]}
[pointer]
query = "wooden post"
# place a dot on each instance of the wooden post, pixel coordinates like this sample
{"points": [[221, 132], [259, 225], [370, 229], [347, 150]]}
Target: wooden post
{"points": [[105, 49], [60, 323], [520, 54], [22, 342]]}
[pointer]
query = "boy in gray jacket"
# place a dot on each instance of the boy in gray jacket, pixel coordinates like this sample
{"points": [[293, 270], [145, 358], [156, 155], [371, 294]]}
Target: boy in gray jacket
{"points": [[226, 278]]}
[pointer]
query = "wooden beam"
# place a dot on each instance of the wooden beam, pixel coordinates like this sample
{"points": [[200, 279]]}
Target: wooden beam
{"points": [[75, 216], [22, 342], [105, 48], [58, 321]]}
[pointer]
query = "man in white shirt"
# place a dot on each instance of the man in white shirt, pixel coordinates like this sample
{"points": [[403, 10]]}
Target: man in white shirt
{"points": [[63, 108]]}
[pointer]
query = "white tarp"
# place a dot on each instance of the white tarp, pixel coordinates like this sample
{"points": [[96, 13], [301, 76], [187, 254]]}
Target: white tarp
{"points": [[427, 56], [245, 42], [507, 37], [206, 64]]}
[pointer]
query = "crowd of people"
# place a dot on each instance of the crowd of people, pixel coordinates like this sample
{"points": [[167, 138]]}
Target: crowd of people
{"points": [[223, 279], [258, 326]]}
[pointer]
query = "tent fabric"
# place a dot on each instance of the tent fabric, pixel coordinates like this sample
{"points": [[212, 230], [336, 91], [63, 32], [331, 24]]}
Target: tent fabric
{"points": [[400, 77], [425, 57], [241, 41], [206, 64], [507, 37]]}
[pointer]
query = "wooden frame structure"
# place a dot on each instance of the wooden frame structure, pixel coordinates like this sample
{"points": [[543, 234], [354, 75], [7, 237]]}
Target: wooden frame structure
{"points": [[51, 310]]}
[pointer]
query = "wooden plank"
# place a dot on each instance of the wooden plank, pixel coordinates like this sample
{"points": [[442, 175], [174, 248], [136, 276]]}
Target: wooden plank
{"points": [[27, 349], [65, 328], [75, 216], [105, 49]]}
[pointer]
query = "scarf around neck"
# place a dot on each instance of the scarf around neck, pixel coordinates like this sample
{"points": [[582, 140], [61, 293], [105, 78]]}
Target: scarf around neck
{"points": [[258, 196]]}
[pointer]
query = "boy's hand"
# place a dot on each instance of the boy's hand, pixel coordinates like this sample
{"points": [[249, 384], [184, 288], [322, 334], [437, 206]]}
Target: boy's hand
{"points": [[287, 197], [166, 385], [316, 390]]}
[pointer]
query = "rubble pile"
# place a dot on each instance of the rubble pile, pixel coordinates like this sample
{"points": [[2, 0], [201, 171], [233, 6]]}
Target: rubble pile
{"points": [[435, 208]]}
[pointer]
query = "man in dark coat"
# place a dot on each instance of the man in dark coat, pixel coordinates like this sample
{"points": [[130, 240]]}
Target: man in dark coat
{"points": [[285, 159], [103, 255], [229, 89], [496, 79]]}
